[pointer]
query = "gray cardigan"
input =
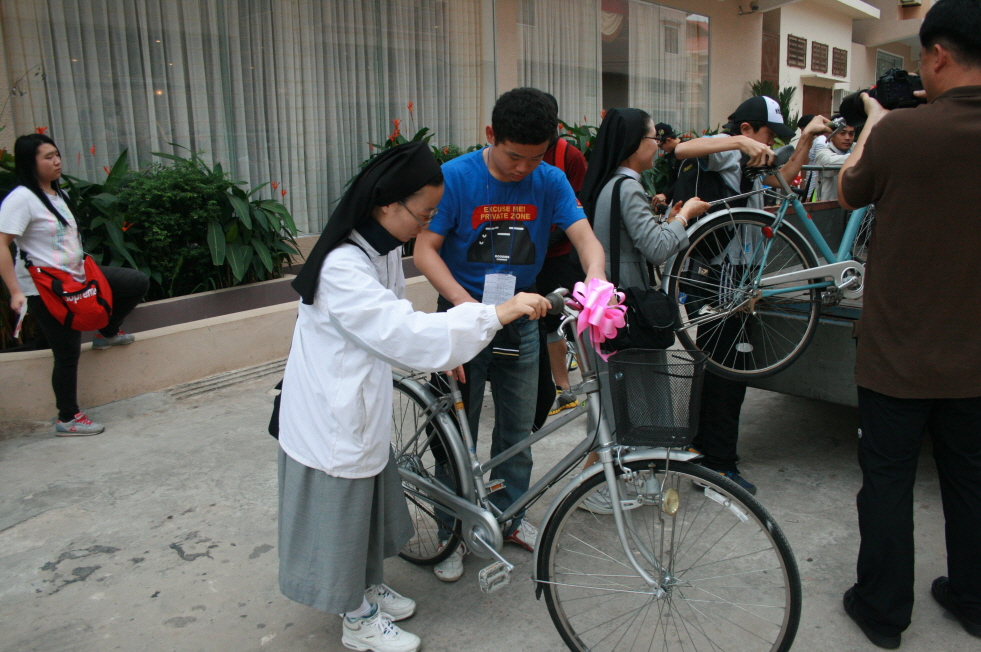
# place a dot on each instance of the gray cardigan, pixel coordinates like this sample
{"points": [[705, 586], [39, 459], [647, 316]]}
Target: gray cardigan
{"points": [[643, 239]]}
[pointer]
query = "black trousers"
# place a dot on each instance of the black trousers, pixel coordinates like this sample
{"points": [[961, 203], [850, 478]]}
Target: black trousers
{"points": [[722, 402], [129, 286], [888, 451]]}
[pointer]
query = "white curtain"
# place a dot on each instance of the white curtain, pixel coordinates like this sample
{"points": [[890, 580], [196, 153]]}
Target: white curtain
{"points": [[290, 91], [668, 64], [561, 55]]}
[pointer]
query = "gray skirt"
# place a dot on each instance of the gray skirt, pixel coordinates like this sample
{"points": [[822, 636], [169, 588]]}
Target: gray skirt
{"points": [[335, 533]]}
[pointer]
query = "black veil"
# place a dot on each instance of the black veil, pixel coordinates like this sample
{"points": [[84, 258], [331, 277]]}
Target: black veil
{"points": [[619, 136], [391, 176]]}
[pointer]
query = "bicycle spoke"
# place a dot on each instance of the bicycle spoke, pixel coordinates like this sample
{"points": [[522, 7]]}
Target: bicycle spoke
{"points": [[723, 578]]}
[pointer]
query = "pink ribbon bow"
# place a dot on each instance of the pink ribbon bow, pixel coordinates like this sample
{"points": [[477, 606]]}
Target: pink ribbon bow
{"points": [[597, 314]]}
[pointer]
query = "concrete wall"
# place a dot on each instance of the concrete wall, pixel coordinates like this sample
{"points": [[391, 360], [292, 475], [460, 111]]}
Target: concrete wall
{"points": [[815, 23]]}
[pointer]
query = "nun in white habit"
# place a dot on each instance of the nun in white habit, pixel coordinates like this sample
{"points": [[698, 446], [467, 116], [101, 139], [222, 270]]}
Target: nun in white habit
{"points": [[341, 506]]}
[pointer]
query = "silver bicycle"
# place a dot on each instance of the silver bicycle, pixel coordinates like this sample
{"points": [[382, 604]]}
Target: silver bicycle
{"points": [[683, 559]]}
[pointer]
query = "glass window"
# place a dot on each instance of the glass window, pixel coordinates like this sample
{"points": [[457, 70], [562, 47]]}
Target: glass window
{"points": [[885, 61], [659, 63], [670, 39], [274, 90], [559, 42]]}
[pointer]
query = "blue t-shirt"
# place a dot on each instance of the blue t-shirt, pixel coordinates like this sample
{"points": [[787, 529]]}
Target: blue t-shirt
{"points": [[492, 226]]}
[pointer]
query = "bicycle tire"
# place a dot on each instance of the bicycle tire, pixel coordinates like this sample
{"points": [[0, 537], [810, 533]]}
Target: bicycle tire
{"points": [[409, 413], [734, 576], [740, 344], [863, 238]]}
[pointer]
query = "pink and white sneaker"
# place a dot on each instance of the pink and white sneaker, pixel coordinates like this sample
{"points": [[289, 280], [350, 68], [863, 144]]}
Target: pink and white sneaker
{"points": [[526, 536], [80, 426]]}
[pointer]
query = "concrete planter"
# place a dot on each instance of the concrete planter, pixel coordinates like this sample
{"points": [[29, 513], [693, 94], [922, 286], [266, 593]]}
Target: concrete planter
{"points": [[178, 341]]}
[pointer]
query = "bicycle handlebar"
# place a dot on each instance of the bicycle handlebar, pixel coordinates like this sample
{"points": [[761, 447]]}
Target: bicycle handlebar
{"points": [[557, 299]]}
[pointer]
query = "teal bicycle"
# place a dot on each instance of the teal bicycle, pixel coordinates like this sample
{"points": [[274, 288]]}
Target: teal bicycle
{"points": [[750, 286]]}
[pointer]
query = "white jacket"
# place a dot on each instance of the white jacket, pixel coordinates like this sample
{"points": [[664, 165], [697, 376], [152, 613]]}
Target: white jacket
{"points": [[336, 410], [828, 179]]}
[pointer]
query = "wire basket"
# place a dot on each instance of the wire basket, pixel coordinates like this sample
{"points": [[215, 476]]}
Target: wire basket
{"points": [[655, 396]]}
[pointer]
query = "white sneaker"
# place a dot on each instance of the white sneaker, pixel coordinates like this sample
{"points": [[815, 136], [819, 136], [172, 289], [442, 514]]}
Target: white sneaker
{"points": [[598, 502], [398, 607], [451, 568], [526, 535], [377, 633]]}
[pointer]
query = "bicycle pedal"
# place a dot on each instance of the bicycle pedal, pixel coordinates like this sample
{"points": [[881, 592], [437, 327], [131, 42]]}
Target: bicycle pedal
{"points": [[495, 577], [494, 485]]}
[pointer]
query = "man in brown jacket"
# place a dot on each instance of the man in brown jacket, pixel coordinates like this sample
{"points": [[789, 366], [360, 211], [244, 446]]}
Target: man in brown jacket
{"points": [[919, 347]]}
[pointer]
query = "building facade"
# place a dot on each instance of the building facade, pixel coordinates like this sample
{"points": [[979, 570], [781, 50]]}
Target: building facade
{"points": [[293, 91]]}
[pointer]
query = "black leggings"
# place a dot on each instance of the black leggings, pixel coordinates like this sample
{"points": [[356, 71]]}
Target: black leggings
{"points": [[128, 288]]}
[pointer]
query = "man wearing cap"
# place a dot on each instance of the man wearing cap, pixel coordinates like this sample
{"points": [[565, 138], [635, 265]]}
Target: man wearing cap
{"points": [[667, 140], [751, 131], [833, 154]]}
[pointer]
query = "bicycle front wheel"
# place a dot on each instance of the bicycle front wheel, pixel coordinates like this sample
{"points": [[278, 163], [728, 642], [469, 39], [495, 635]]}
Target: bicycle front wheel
{"points": [[421, 445], [727, 577], [723, 313]]}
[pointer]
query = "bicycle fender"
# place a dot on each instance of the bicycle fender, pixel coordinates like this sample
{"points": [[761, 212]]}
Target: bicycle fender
{"points": [[636, 456], [755, 212], [448, 424]]}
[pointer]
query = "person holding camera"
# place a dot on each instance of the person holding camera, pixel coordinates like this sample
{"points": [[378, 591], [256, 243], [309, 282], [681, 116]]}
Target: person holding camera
{"points": [[919, 345], [834, 153]]}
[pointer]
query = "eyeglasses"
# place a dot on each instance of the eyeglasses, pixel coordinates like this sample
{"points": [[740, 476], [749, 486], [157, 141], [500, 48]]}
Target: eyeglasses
{"points": [[422, 223], [654, 138]]}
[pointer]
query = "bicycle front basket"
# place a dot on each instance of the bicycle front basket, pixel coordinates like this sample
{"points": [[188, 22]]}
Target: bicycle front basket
{"points": [[655, 396]]}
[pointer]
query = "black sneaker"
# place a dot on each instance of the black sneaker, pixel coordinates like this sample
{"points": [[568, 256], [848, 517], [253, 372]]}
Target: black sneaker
{"points": [[941, 593], [867, 627]]}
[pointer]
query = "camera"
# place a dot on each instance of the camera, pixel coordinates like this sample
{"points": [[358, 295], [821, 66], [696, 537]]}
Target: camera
{"points": [[893, 90]]}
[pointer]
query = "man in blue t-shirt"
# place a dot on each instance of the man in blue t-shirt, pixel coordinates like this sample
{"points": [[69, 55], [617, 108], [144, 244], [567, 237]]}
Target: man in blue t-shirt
{"points": [[487, 242]]}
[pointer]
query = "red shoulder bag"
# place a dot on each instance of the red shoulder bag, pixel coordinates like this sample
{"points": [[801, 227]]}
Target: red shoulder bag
{"points": [[84, 306]]}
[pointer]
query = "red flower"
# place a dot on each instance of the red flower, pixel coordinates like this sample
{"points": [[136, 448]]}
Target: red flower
{"points": [[602, 114], [410, 109], [275, 185], [703, 131], [40, 130], [398, 130], [79, 158], [107, 169], [282, 192], [3, 150], [126, 226], [371, 147], [446, 151], [92, 149]]}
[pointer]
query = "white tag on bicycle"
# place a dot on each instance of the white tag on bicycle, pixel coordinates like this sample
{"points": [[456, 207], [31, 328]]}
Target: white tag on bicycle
{"points": [[498, 288], [744, 347]]}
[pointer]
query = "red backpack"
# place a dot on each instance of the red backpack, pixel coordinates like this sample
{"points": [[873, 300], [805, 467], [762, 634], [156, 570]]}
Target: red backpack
{"points": [[84, 306]]}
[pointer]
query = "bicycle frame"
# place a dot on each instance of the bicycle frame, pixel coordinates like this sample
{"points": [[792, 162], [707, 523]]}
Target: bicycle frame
{"points": [[838, 266], [480, 529]]}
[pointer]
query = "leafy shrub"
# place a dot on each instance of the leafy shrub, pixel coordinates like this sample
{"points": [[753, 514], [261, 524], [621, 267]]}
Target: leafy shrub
{"points": [[186, 226]]}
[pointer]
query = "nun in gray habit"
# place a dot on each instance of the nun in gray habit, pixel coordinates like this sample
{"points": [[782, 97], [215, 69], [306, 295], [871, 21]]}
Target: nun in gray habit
{"points": [[341, 506]]}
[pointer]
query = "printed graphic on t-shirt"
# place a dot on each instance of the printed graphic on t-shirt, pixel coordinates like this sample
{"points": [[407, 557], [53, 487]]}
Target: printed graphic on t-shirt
{"points": [[504, 238]]}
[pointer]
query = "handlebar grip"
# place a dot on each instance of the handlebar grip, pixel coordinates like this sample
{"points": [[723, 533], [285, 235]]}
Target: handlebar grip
{"points": [[557, 299]]}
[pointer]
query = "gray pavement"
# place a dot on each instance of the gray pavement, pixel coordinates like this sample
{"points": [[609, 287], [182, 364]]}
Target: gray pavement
{"points": [[160, 534]]}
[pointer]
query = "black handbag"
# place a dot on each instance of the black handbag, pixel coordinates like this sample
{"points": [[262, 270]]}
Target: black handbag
{"points": [[651, 316]]}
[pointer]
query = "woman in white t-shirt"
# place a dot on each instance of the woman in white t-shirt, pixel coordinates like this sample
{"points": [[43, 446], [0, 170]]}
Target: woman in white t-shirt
{"points": [[36, 217]]}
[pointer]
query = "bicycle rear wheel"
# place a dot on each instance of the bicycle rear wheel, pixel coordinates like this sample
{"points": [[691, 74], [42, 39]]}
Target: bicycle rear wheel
{"points": [[421, 446], [721, 311], [728, 577], [863, 239]]}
